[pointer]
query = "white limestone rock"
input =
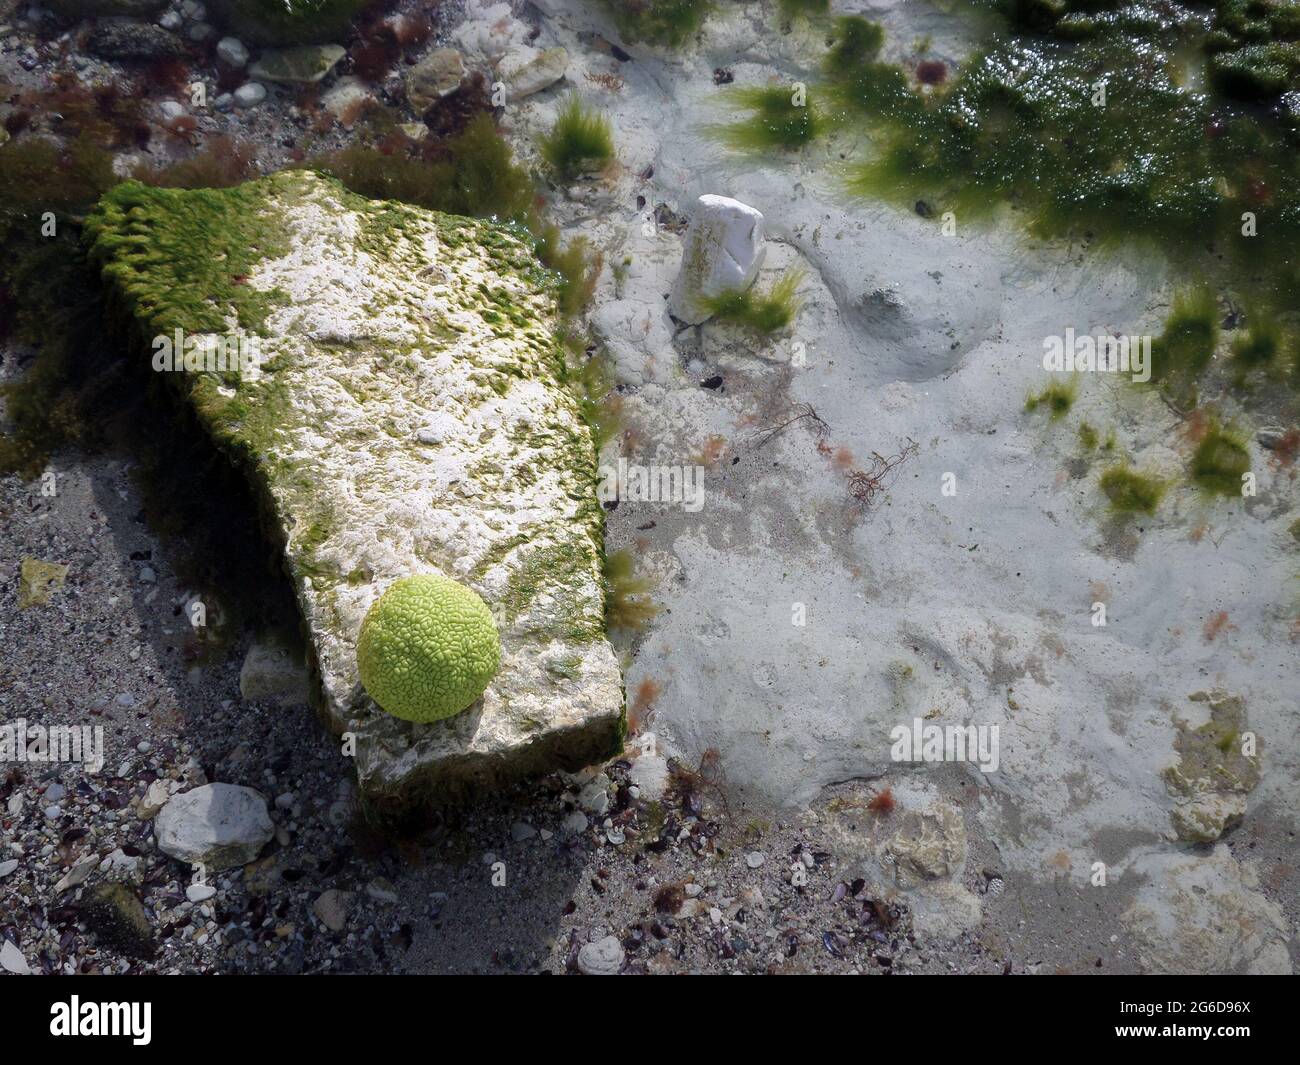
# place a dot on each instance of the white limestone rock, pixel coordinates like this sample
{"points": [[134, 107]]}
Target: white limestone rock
{"points": [[724, 250], [406, 412], [1205, 915], [218, 825], [528, 71]]}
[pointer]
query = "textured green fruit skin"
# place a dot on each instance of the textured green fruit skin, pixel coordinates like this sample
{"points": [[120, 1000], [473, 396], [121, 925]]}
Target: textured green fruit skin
{"points": [[428, 648]]}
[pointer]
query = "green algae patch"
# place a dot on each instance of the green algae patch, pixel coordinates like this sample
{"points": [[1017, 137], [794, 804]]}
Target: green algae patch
{"points": [[668, 23], [1186, 346], [1221, 460], [1056, 398], [179, 258], [1109, 121], [781, 118], [580, 142], [761, 312], [1132, 492]]}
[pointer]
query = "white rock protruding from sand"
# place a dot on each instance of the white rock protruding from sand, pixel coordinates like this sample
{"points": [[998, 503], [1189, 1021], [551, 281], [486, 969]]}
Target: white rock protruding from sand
{"points": [[724, 250]]}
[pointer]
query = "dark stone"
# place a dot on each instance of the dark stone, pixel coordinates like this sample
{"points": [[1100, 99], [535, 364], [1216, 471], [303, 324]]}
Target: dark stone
{"points": [[115, 914], [127, 39]]}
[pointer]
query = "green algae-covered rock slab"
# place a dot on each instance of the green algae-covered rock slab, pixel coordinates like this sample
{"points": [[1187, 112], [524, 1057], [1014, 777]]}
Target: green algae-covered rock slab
{"points": [[389, 380]]}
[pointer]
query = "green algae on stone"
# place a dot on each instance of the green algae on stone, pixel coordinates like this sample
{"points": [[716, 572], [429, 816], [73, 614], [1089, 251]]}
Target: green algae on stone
{"points": [[763, 313], [1221, 460], [37, 580], [1218, 765], [1130, 491], [580, 142], [407, 368]]}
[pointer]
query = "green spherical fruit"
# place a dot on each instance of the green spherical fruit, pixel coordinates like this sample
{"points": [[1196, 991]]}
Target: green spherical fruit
{"points": [[428, 648]]}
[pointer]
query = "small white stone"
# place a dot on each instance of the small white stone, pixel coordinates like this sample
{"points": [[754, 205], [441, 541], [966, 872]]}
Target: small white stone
{"points": [[12, 960], [602, 958], [723, 251], [250, 94], [8, 867], [755, 859], [232, 52], [200, 892]]}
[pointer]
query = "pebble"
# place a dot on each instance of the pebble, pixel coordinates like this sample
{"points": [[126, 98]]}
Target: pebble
{"points": [[8, 867], [601, 958], [12, 960], [755, 859], [224, 102], [574, 823], [200, 892], [54, 811], [232, 52], [55, 792], [250, 94], [171, 20], [520, 831], [170, 109]]}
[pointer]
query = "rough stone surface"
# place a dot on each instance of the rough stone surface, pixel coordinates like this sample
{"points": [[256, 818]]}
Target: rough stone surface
{"points": [[388, 320], [304, 65], [333, 907], [37, 580], [217, 825], [433, 77], [1200, 914], [233, 52], [601, 958], [115, 914], [124, 39], [1218, 766], [529, 71], [723, 251]]}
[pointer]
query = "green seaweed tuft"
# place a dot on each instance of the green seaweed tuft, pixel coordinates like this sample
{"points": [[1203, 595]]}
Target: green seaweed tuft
{"points": [[581, 141], [1057, 397], [763, 314], [782, 118], [1132, 492], [1220, 460], [663, 22]]}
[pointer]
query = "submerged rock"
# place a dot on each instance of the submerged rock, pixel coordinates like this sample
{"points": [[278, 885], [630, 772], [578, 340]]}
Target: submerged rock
{"points": [[436, 75], [529, 71], [297, 66], [396, 394], [218, 826], [114, 913], [723, 251], [126, 39], [1206, 915]]}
